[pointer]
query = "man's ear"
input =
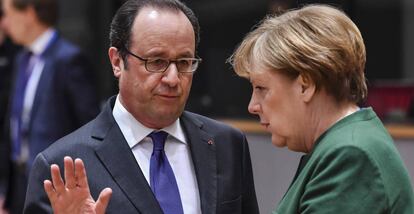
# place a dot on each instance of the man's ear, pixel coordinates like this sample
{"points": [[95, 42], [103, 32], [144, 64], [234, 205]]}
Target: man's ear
{"points": [[307, 88], [116, 61]]}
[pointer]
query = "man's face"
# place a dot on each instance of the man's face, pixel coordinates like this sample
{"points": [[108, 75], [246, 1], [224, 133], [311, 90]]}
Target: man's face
{"points": [[15, 22], [157, 99]]}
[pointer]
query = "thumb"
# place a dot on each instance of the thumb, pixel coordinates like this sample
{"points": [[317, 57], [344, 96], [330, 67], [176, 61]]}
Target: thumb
{"points": [[103, 201]]}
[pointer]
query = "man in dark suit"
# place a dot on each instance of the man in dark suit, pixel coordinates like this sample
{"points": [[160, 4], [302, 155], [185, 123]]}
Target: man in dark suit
{"points": [[8, 51], [52, 93], [144, 153]]}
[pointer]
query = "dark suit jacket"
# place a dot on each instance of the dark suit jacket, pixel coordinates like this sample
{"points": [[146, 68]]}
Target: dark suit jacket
{"points": [[7, 53], [65, 99], [223, 168]]}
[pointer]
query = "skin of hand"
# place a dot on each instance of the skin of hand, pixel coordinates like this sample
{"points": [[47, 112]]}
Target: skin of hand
{"points": [[73, 195]]}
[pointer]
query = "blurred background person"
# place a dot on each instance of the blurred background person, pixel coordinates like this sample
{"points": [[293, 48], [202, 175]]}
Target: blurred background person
{"points": [[7, 52], [53, 91], [306, 68]]}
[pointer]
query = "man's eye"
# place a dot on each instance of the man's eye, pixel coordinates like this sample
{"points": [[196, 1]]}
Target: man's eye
{"points": [[157, 61], [183, 62]]}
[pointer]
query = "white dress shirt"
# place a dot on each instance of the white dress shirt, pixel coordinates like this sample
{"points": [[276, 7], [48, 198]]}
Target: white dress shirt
{"points": [[176, 150], [37, 63]]}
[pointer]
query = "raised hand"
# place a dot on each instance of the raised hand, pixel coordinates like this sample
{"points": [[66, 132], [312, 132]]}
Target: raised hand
{"points": [[73, 196]]}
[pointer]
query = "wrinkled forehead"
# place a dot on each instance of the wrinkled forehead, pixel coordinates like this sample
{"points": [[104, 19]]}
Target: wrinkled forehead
{"points": [[160, 32], [152, 20]]}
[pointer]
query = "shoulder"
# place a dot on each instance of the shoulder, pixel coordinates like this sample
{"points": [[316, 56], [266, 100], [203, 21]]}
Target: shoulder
{"points": [[368, 137], [349, 149], [79, 141], [363, 154], [63, 50], [68, 59]]}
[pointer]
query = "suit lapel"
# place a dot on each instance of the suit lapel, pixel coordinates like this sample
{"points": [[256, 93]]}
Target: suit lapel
{"points": [[203, 152], [119, 160], [44, 83]]}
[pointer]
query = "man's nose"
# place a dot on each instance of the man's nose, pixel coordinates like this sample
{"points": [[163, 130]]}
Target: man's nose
{"points": [[171, 75]]}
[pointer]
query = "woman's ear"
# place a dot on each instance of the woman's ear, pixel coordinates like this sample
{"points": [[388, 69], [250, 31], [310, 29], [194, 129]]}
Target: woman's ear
{"points": [[116, 61], [307, 87]]}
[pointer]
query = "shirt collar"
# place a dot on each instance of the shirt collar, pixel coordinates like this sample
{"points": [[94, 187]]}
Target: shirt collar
{"points": [[134, 131], [41, 43]]}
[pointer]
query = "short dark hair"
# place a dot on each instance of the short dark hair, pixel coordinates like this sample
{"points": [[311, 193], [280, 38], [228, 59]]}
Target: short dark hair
{"points": [[123, 20], [46, 10]]}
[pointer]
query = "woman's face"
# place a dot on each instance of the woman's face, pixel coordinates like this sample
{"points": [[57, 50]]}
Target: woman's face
{"points": [[277, 100]]}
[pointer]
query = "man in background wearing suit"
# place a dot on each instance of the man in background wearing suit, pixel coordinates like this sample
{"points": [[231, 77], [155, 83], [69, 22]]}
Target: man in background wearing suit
{"points": [[52, 91], [204, 166], [8, 51]]}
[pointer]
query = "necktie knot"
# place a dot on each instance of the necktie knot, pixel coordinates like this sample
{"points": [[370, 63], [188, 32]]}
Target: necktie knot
{"points": [[26, 56], [158, 139]]}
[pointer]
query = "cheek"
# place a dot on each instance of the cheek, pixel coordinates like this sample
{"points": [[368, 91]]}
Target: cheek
{"points": [[129, 83], [276, 126], [18, 19], [270, 107], [8, 23], [185, 83]]}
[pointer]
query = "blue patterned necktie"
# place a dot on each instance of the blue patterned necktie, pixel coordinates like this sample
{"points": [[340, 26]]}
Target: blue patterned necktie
{"points": [[162, 179], [24, 72]]}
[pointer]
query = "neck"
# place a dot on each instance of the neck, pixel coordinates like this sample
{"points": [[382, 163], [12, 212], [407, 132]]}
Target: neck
{"points": [[34, 33], [322, 118]]}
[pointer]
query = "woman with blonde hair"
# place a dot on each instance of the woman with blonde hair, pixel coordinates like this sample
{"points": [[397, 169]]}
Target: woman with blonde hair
{"points": [[306, 67]]}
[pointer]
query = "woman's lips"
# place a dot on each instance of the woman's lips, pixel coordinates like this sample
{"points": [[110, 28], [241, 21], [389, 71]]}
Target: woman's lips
{"points": [[266, 125]]}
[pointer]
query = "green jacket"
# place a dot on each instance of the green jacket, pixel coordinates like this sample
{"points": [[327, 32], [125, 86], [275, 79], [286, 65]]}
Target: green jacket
{"points": [[353, 168]]}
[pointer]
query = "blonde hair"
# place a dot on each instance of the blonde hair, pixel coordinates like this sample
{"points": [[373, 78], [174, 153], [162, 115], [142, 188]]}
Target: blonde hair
{"points": [[318, 42]]}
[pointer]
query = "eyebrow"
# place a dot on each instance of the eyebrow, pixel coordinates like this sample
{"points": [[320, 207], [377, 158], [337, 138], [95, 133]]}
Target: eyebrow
{"points": [[187, 54], [160, 54]]}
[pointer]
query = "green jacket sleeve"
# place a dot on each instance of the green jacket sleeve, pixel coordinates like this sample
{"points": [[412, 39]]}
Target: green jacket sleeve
{"points": [[345, 181]]}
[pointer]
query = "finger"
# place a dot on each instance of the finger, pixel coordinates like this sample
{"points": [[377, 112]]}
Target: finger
{"points": [[50, 191], [103, 200], [57, 178], [69, 173], [80, 174]]}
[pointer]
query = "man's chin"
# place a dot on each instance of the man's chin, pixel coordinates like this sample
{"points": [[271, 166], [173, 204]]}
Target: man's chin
{"points": [[168, 114]]}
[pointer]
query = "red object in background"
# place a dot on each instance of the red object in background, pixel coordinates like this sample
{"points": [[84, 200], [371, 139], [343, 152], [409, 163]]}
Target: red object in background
{"points": [[389, 100]]}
